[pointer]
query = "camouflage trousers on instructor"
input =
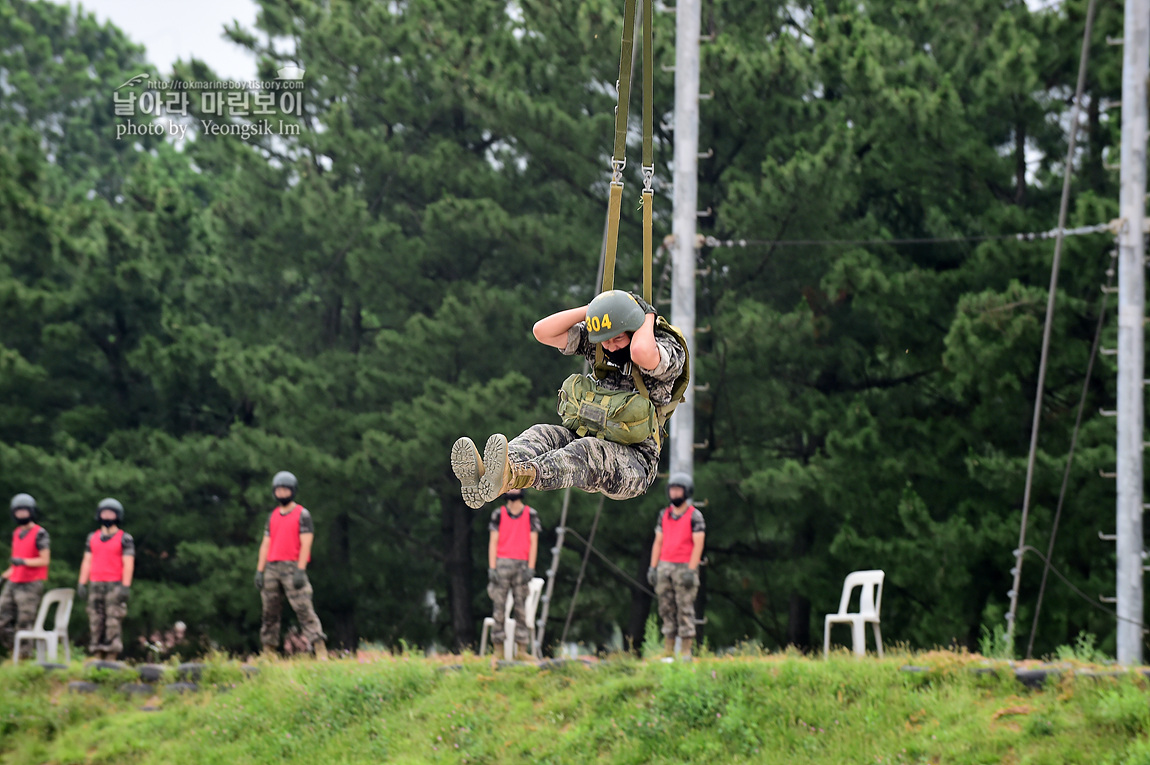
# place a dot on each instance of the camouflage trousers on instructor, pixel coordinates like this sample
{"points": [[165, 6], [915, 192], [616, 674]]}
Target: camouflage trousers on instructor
{"points": [[19, 602], [676, 600], [277, 588], [563, 460], [509, 580], [106, 611]]}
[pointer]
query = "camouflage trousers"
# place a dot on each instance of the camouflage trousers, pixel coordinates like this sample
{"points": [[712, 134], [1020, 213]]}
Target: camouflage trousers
{"points": [[106, 612], [509, 581], [676, 600], [562, 460], [19, 603], [277, 588]]}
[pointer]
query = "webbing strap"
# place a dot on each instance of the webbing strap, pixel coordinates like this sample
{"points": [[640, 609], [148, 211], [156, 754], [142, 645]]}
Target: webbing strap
{"points": [[624, 84], [613, 204], [648, 85], [648, 203]]}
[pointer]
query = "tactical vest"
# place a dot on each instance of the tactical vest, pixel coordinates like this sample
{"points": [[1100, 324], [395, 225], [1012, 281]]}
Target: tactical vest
{"points": [[678, 539], [283, 530], [624, 417], [107, 557], [25, 547]]}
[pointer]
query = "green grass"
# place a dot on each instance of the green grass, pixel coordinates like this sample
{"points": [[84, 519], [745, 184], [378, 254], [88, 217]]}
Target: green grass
{"points": [[779, 708]]}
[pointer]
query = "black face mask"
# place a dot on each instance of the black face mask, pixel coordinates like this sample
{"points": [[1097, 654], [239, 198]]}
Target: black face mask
{"points": [[515, 497], [286, 500], [22, 521], [106, 522], [678, 501], [620, 358]]}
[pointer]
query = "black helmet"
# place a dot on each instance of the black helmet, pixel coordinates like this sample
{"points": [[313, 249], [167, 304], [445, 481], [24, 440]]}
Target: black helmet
{"points": [[683, 480], [111, 504], [23, 501], [284, 478]]}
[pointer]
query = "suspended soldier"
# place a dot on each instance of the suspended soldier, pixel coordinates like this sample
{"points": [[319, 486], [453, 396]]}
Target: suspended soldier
{"points": [[612, 424], [109, 564], [281, 570], [675, 555], [24, 577], [511, 550]]}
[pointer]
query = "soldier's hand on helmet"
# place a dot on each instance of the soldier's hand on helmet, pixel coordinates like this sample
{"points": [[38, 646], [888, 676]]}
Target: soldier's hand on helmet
{"points": [[259, 580], [16, 561], [647, 307], [82, 591], [691, 578], [298, 579], [651, 575], [490, 575], [123, 592]]}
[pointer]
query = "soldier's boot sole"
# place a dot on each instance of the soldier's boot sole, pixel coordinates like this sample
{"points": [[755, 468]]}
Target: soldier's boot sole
{"points": [[469, 469], [496, 468], [320, 649]]}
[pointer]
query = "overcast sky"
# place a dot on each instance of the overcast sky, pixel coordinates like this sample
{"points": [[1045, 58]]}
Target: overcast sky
{"points": [[172, 29]]}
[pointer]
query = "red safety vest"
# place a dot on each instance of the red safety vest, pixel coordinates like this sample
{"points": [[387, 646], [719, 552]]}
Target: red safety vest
{"points": [[677, 541], [26, 548], [514, 534], [284, 535], [107, 557]]}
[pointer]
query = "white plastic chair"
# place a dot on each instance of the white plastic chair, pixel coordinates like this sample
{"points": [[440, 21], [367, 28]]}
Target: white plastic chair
{"points": [[49, 641], [870, 601], [534, 591]]}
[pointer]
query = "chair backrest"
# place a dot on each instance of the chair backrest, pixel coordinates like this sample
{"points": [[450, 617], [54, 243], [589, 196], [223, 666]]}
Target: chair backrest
{"points": [[534, 592], [62, 596], [870, 598]]}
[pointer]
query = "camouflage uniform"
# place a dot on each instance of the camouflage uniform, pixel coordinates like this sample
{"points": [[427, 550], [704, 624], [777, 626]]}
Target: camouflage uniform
{"points": [[278, 586], [562, 459], [509, 578], [108, 606], [20, 601], [676, 597]]}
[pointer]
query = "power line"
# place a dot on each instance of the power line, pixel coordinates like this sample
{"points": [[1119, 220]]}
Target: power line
{"points": [[1031, 236], [1078, 592]]}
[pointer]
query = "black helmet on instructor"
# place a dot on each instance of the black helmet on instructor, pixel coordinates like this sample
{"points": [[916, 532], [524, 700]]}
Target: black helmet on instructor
{"points": [[612, 313], [286, 480], [684, 482], [109, 503], [23, 502]]}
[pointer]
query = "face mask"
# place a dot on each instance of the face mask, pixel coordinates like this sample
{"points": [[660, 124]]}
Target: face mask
{"points": [[285, 501], [106, 522], [620, 358], [23, 521], [514, 497], [678, 501]]}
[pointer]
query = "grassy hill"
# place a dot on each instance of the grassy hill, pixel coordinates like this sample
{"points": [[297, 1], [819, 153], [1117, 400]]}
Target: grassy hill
{"points": [[756, 708]]}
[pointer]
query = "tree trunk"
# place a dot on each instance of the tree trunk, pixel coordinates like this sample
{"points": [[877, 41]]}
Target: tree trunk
{"points": [[342, 633], [799, 623], [701, 604], [640, 602], [457, 542]]}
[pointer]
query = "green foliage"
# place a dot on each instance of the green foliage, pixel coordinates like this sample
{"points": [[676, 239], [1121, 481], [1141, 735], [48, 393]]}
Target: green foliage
{"points": [[182, 322], [994, 644], [1083, 650], [652, 638], [379, 706]]}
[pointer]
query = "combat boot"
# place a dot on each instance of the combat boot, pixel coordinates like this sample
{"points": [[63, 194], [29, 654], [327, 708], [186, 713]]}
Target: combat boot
{"points": [[501, 474], [468, 468], [320, 649], [685, 649], [669, 647], [523, 653]]}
